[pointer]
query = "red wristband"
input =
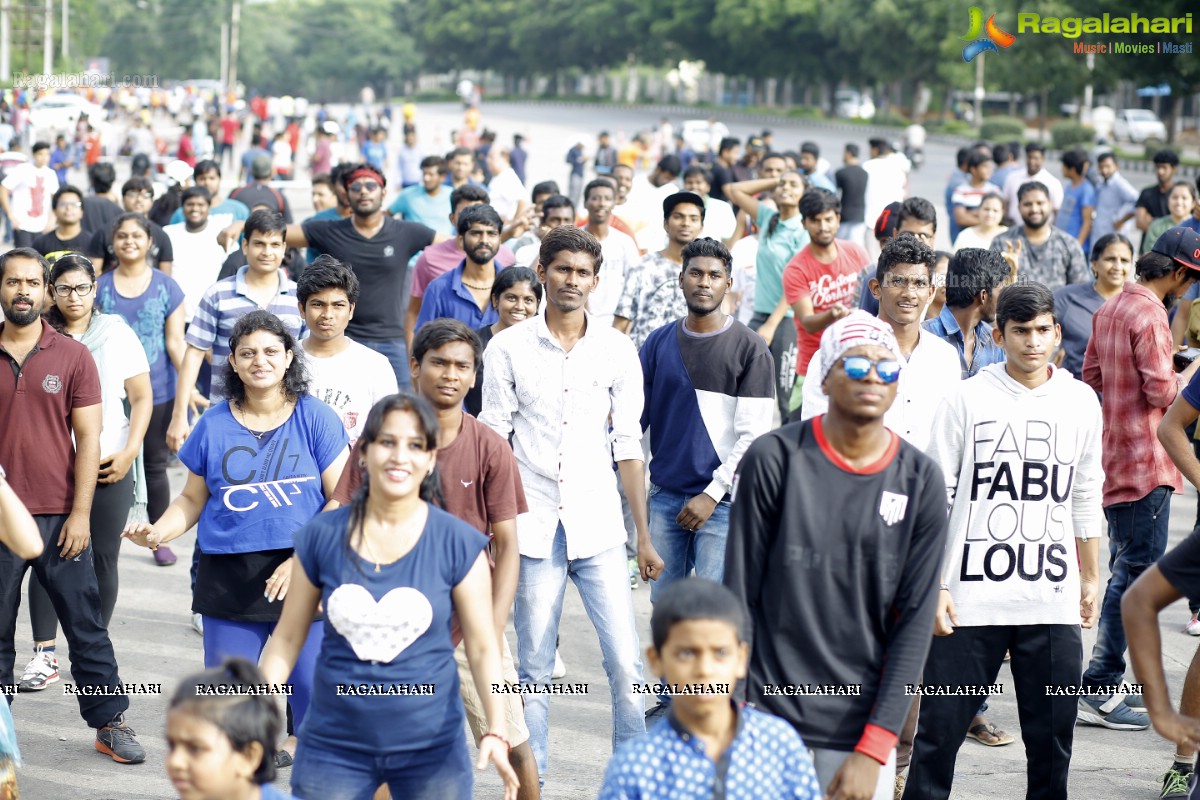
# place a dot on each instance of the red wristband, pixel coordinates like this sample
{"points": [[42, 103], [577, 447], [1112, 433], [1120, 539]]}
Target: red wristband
{"points": [[507, 746], [877, 743]]}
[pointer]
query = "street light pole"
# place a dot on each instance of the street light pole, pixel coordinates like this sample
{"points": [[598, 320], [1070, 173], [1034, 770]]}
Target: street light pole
{"points": [[48, 38], [233, 44], [66, 29], [979, 92]]}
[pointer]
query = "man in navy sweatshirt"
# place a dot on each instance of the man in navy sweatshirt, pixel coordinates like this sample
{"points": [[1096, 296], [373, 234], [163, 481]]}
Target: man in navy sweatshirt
{"points": [[836, 536]]}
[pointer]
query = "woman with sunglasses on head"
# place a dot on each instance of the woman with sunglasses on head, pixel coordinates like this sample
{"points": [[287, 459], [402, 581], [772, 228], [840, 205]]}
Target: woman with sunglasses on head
{"points": [[151, 302], [124, 377], [516, 295]]}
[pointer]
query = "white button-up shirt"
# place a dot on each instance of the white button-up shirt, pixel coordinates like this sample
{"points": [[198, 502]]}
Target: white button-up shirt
{"points": [[557, 404], [927, 377]]}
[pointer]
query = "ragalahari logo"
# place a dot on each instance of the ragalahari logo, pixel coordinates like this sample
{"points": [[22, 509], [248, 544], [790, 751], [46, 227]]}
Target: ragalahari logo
{"points": [[980, 43]]}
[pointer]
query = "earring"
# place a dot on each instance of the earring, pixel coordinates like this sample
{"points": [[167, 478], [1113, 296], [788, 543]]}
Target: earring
{"points": [[362, 463]]}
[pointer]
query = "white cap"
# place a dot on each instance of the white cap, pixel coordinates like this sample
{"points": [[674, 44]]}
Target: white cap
{"points": [[856, 329]]}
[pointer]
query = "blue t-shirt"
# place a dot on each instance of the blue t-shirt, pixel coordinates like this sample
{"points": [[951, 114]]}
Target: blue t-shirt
{"points": [[235, 208], [375, 154], [260, 492], [147, 315], [386, 632], [1070, 214], [446, 296], [774, 252], [269, 792], [1191, 392], [418, 205]]}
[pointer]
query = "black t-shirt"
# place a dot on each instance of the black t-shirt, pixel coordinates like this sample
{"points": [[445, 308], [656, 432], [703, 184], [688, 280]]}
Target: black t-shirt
{"points": [[231, 586], [1181, 567], [381, 264], [473, 402], [160, 248], [721, 175], [99, 213], [852, 181], [52, 247], [1154, 201], [254, 194]]}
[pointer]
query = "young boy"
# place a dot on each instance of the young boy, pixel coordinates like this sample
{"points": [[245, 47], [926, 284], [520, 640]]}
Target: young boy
{"points": [[347, 376], [707, 741], [1019, 445]]}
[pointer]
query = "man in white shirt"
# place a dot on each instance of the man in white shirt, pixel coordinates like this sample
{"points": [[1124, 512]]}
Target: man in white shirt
{"points": [[553, 384], [719, 220], [903, 285], [505, 189], [619, 249], [348, 377], [25, 197], [643, 209], [198, 257], [1035, 170], [887, 181]]}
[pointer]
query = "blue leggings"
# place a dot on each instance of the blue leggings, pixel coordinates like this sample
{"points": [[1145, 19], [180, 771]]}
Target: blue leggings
{"points": [[226, 638]]}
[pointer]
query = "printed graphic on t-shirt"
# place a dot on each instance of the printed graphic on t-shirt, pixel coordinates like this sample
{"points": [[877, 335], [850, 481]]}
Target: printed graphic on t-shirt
{"points": [[1021, 480], [270, 474], [379, 631]]}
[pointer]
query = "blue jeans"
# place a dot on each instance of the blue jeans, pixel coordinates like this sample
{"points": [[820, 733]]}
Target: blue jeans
{"points": [[440, 773], [603, 584], [1137, 537], [680, 549], [396, 353]]}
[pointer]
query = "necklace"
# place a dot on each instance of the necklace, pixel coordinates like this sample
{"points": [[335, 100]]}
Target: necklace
{"points": [[478, 288], [258, 435], [371, 551]]}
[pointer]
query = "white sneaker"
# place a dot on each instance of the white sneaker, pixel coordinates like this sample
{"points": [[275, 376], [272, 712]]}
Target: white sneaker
{"points": [[40, 672], [198, 624], [1192, 627], [560, 669]]}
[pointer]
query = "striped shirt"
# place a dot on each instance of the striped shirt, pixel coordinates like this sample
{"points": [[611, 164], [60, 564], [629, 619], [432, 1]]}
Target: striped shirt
{"points": [[227, 301]]}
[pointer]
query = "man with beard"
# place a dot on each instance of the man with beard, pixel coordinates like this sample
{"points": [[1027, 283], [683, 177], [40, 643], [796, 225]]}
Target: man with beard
{"points": [[1043, 253], [619, 249], [465, 292], [1128, 360], [652, 295], [974, 278], [379, 247], [1035, 170], [50, 412]]}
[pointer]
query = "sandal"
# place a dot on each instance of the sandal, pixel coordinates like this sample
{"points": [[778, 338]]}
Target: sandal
{"points": [[988, 734], [283, 759]]}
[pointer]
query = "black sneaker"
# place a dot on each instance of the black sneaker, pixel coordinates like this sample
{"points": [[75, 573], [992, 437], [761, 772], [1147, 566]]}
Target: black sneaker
{"points": [[116, 739], [1175, 783]]}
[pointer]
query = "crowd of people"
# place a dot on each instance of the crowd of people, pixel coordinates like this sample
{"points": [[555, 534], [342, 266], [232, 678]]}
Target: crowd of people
{"points": [[745, 378]]}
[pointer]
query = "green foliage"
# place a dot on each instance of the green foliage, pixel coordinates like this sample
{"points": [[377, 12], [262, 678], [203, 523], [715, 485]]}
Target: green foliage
{"points": [[1069, 133], [1002, 129], [890, 118]]}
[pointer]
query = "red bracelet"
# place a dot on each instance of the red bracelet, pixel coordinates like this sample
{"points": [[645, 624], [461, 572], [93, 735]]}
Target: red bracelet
{"points": [[507, 746]]}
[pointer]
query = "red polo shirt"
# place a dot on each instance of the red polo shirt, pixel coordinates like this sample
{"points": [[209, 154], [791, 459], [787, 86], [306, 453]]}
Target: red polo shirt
{"points": [[36, 400]]}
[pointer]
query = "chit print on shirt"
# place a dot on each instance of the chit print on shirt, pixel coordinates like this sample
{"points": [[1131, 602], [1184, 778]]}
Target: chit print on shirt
{"points": [[264, 473]]}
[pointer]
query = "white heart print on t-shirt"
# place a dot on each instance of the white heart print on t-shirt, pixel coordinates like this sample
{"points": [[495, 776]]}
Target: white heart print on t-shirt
{"points": [[379, 631]]}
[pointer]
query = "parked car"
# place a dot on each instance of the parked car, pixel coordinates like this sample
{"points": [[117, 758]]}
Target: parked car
{"points": [[697, 133], [60, 112], [852, 104], [1138, 125]]}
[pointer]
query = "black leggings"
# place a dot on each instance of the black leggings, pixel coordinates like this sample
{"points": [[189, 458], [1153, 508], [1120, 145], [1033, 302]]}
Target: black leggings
{"points": [[110, 509], [155, 455], [783, 356]]}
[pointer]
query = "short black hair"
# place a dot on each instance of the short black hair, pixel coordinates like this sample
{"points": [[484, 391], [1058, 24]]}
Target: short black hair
{"points": [[67, 189], [1035, 147], [727, 143], [817, 201], [691, 599], [1164, 156], [442, 331], [195, 191], [960, 158], [973, 270], [1149, 267], [138, 183], [1105, 156], [599, 183], [39, 146], [1075, 159], [904, 248], [326, 272], [102, 175], [706, 247], [917, 208], [811, 148], [1001, 153], [671, 165], [545, 187], [468, 192], [977, 157], [1031, 186], [264, 220], [852, 149], [28, 252], [557, 201], [482, 213], [429, 162], [570, 239], [698, 170], [1024, 302], [205, 166]]}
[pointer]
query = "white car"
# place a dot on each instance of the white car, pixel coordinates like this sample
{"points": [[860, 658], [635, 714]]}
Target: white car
{"points": [[1138, 125], [697, 133], [852, 104], [60, 112]]}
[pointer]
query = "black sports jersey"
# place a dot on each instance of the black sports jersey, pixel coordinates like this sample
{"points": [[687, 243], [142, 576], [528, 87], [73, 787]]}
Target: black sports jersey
{"points": [[838, 568]]}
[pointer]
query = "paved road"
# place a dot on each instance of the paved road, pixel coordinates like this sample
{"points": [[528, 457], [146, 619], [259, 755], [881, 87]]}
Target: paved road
{"points": [[155, 644]]}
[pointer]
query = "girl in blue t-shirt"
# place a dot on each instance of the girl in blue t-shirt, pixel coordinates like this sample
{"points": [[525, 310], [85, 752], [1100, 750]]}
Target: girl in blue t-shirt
{"points": [[222, 726], [389, 570], [260, 465]]}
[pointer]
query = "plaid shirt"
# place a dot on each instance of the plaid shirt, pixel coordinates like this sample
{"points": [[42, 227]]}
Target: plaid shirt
{"points": [[1128, 361]]}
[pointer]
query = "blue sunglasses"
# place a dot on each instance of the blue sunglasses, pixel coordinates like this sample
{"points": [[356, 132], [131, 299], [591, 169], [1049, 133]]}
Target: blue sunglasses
{"points": [[859, 367]]}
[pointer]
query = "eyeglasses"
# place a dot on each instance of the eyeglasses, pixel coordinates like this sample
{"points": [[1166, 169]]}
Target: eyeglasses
{"points": [[83, 289], [70, 205], [859, 367], [143, 195], [363, 186]]}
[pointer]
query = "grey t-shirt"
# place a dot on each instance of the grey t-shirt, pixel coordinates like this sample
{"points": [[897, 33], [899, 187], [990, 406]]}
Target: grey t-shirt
{"points": [[1057, 262], [1074, 306]]}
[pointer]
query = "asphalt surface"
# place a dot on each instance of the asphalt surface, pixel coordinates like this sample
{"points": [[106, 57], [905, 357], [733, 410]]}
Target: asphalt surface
{"points": [[155, 644]]}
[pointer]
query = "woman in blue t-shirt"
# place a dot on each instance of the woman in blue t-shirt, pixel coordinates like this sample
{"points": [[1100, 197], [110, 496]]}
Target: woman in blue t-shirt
{"points": [[389, 570], [260, 465], [151, 302]]}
